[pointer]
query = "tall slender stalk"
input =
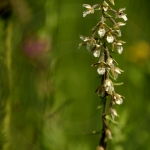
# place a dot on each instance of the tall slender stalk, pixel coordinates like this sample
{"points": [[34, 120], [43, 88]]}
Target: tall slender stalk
{"points": [[101, 43], [8, 61]]}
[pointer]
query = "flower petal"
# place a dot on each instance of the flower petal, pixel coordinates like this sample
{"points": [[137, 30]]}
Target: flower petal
{"points": [[101, 70], [112, 1], [82, 37], [96, 53], [96, 5], [101, 32], [119, 32], [119, 101], [122, 9], [86, 6], [86, 13], [121, 23], [105, 6], [110, 38], [124, 17], [119, 49]]}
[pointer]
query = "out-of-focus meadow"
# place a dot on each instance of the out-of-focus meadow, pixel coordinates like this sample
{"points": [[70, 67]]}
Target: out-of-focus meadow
{"points": [[47, 84]]}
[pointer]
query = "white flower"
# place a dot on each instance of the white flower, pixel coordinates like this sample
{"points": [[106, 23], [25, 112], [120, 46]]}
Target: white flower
{"points": [[102, 66], [110, 38], [121, 14], [118, 45], [90, 9], [96, 50], [101, 70], [110, 62], [109, 88], [96, 53], [88, 42], [116, 71], [118, 99], [101, 32], [101, 28], [105, 6]]}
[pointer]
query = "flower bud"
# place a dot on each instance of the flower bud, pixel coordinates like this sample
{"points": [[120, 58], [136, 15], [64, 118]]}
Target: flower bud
{"points": [[108, 134], [99, 148]]}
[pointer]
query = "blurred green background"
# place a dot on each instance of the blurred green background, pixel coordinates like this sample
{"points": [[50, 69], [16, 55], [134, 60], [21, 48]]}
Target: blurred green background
{"points": [[47, 99]]}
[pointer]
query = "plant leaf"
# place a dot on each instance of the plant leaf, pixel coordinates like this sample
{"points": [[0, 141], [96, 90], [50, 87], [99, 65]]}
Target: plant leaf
{"points": [[108, 117]]}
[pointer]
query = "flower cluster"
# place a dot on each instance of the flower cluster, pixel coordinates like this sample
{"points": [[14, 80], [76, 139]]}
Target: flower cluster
{"points": [[103, 40]]}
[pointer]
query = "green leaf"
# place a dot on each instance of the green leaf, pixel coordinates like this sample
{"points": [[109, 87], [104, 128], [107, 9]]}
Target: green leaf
{"points": [[112, 1], [108, 117]]}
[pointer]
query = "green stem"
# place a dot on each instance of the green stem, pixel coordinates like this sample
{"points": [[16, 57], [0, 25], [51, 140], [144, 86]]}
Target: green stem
{"points": [[8, 61], [103, 141]]}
